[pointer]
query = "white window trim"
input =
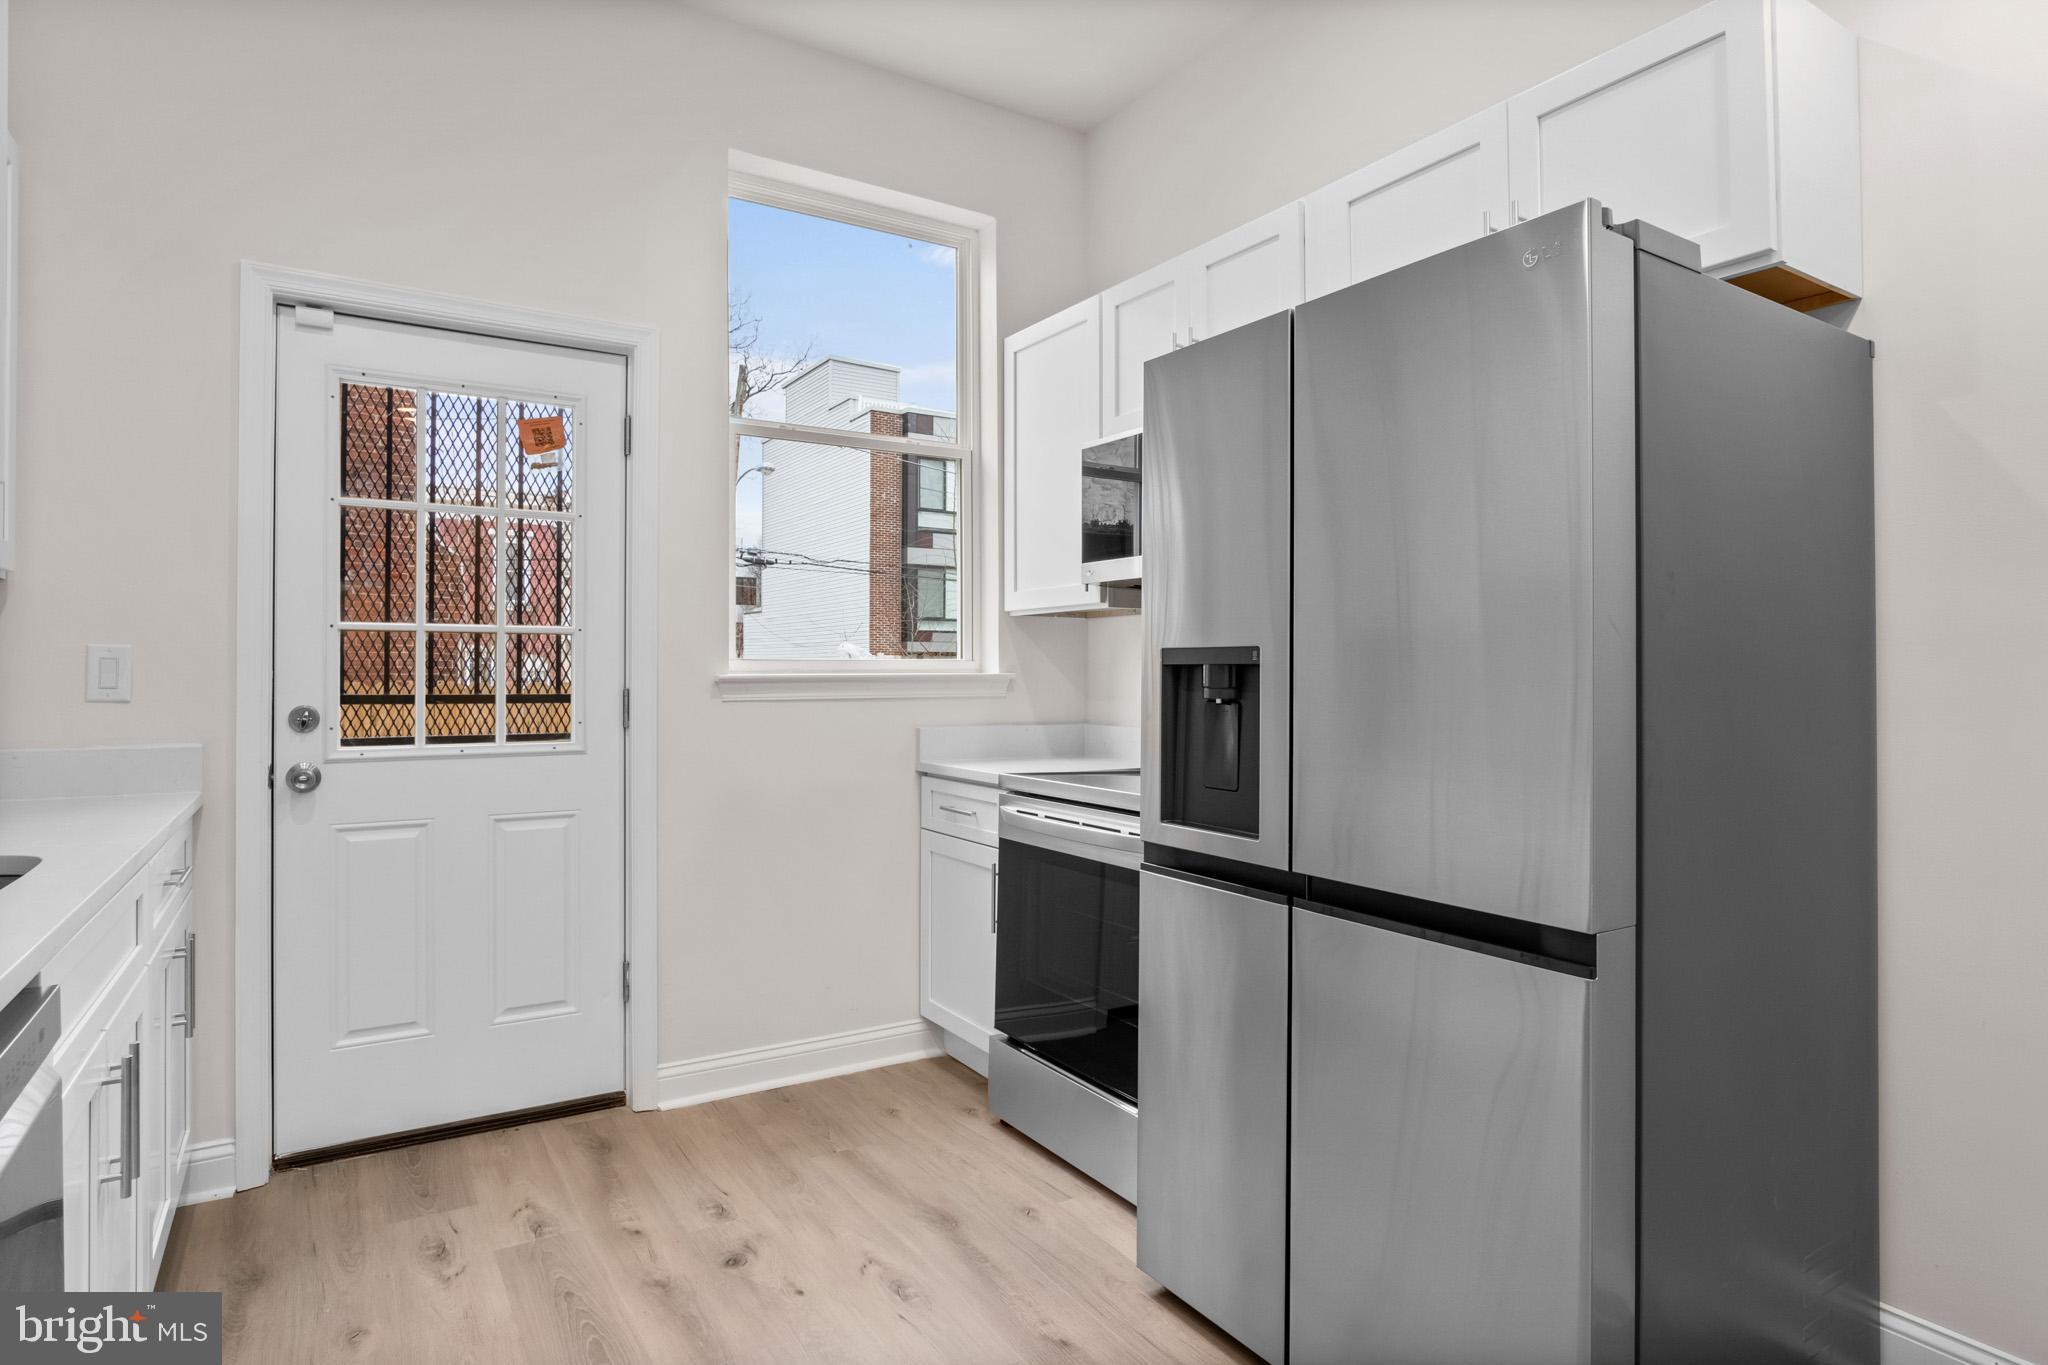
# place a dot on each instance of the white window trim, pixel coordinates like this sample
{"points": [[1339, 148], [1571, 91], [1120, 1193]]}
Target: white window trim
{"points": [[977, 673]]}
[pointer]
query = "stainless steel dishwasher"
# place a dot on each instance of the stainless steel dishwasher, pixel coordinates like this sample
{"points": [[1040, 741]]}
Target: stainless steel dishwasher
{"points": [[31, 1145]]}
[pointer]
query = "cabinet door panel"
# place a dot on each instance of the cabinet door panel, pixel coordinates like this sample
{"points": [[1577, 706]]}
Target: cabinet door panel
{"points": [[1053, 375], [152, 1190], [178, 1068], [114, 1230], [1244, 275], [1428, 197], [1672, 128], [958, 903], [1141, 318]]}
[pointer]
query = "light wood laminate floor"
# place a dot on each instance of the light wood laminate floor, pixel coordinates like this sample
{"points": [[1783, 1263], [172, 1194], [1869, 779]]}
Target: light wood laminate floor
{"points": [[883, 1216]]}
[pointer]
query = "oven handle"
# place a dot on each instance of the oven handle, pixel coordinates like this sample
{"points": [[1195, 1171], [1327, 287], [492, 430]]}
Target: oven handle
{"points": [[1038, 826]]}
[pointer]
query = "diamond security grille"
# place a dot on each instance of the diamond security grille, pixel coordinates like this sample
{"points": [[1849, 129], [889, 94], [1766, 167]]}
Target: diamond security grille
{"points": [[455, 558], [376, 687]]}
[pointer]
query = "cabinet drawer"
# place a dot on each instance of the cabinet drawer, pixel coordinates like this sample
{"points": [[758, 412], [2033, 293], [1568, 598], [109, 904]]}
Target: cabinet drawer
{"points": [[963, 811], [168, 873], [89, 963]]}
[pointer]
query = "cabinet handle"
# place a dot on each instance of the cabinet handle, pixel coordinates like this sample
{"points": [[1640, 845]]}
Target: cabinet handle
{"points": [[191, 1019], [1515, 211], [995, 897], [960, 810], [178, 878], [131, 1119], [1485, 222], [126, 1074]]}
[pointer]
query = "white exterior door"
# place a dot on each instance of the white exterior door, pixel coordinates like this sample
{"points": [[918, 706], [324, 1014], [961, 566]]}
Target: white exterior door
{"points": [[449, 899], [1246, 274], [1428, 197], [1672, 127]]}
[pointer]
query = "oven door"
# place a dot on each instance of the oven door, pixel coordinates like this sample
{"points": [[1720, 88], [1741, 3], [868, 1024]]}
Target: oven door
{"points": [[1067, 941]]}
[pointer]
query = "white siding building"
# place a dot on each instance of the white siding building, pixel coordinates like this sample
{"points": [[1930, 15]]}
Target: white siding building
{"points": [[821, 513]]}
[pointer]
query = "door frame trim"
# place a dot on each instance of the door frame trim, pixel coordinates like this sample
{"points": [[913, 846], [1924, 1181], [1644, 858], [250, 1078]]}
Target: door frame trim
{"points": [[263, 289]]}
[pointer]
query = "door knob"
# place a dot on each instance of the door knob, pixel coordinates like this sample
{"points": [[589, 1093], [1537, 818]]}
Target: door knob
{"points": [[302, 777]]}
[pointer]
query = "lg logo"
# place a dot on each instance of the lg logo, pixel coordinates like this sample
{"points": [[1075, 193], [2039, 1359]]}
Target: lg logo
{"points": [[1535, 255]]}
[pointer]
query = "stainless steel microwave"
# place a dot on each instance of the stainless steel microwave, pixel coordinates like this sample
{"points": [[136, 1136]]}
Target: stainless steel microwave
{"points": [[1111, 542]]}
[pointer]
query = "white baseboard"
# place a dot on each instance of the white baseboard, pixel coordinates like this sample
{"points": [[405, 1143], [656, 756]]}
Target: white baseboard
{"points": [[1908, 1340], [210, 1174], [702, 1079]]}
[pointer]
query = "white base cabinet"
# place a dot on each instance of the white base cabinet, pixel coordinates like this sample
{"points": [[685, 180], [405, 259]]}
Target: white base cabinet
{"points": [[114, 1220], [957, 889], [124, 1057], [167, 1085]]}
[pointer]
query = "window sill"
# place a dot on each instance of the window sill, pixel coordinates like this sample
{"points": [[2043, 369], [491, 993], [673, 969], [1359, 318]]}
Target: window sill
{"points": [[804, 686]]}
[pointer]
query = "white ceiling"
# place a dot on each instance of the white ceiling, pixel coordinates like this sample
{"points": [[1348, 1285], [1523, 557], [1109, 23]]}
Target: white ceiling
{"points": [[1071, 62]]}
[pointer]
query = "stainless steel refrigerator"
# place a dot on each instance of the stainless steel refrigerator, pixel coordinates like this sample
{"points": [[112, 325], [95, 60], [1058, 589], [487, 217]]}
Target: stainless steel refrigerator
{"points": [[1508, 966]]}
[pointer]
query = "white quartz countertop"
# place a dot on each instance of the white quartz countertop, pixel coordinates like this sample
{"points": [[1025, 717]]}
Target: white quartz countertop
{"points": [[90, 846], [985, 753], [989, 771]]}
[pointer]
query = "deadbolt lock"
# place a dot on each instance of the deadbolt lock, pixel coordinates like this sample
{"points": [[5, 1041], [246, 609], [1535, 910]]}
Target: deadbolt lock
{"points": [[302, 719]]}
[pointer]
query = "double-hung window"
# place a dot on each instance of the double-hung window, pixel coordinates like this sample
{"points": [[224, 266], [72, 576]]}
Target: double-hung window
{"points": [[853, 383]]}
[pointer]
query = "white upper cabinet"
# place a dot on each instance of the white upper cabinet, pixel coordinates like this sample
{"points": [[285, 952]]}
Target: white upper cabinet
{"points": [[1428, 197], [1734, 126], [1244, 275], [1248, 273], [1052, 375], [1141, 318]]}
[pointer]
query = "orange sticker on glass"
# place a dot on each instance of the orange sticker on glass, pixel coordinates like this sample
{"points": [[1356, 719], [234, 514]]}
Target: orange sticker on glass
{"points": [[540, 436]]}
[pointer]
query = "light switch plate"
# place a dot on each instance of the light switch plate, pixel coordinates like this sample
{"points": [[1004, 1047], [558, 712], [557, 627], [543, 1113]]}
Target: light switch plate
{"points": [[110, 672]]}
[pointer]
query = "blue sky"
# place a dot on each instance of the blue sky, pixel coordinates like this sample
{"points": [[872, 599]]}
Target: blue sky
{"points": [[837, 289]]}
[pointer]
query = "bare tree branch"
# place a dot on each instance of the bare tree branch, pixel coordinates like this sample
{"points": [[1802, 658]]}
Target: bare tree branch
{"points": [[755, 372]]}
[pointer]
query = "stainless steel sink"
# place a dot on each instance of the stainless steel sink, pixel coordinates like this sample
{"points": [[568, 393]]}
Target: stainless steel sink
{"points": [[14, 869]]}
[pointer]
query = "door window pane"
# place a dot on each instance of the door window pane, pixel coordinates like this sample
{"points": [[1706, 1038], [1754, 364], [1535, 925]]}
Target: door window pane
{"points": [[462, 687], [539, 696], [539, 575], [462, 569], [463, 434], [379, 454], [544, 480], [376, 688], [377, 564]]}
